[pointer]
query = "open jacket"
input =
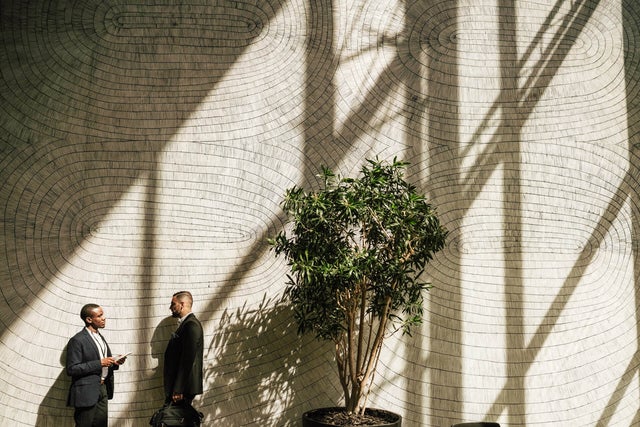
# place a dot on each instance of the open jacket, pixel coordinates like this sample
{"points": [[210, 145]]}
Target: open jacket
{"points": [[83, 366]]}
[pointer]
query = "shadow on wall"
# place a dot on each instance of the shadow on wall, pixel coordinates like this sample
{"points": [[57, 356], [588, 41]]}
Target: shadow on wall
{"points": [[260, 367], [154, 387], [108, 87], [119, 83], [53, 410], [147, 394]]}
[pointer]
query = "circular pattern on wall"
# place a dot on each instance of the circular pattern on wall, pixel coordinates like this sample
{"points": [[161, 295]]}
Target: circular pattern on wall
{"points": [[146, 147]]}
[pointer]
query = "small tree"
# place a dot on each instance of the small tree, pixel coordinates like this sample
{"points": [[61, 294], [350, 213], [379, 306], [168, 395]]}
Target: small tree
{"points": [[356, 250]]}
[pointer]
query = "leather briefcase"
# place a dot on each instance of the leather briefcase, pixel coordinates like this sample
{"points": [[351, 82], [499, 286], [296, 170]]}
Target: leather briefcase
{"points": [[179, 414]]}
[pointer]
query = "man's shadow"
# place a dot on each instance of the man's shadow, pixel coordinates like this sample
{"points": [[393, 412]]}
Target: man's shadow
{"points": [[154, 386], [53, 410]]}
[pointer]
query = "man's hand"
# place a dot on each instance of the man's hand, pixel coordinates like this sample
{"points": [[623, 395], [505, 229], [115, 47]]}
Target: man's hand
{"points": [[107, 361]]}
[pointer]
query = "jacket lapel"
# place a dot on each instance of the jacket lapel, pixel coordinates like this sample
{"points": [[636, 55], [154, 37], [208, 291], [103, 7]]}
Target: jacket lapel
{"points": [[90, 343]]}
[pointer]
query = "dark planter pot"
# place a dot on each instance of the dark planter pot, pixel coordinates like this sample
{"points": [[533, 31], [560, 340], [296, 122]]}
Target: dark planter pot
{"points": [[310, 419]]}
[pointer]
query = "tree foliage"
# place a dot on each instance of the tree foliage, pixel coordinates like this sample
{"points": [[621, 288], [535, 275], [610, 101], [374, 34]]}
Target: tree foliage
{"points": [[357, 249]]}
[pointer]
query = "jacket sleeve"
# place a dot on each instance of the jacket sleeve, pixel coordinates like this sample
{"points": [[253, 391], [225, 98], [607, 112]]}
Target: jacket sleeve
{"points": [[77, 363], [113, 367]]}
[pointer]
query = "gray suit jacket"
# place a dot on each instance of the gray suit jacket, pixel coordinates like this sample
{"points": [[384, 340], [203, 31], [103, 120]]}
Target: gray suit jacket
{"points": [[83, 366]]}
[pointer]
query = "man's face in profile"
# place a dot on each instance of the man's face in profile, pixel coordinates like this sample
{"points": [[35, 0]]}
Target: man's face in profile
{"points": [[175, 307]]}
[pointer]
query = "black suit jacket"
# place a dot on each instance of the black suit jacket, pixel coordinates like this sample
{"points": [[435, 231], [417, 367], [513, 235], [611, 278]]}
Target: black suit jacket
{"points": [[183, 359], [83, 366]]}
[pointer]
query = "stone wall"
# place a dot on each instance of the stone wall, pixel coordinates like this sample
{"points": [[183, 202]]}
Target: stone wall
{"points": [[145, 148]]}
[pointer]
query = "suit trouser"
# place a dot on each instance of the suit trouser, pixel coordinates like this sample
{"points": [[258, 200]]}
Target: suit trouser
{"points": [[96, 415]]}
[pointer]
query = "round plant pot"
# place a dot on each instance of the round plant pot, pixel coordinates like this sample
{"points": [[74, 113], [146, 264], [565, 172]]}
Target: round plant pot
{"points": [[321, 418]]}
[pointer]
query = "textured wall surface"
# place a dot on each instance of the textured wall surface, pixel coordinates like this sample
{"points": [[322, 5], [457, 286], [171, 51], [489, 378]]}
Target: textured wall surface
{"points": [[145, 148]]}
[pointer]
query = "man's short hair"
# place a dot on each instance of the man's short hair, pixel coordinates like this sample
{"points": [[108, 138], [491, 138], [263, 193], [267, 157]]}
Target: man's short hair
{"points": [[184, 296], [87, 311]]}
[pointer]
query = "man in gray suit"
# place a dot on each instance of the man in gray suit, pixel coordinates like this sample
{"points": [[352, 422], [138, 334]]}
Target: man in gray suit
{"points": [[90, 366], [183, 356]]}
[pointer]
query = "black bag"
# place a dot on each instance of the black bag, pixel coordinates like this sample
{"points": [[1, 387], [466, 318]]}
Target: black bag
{"points": [[179, 414]]}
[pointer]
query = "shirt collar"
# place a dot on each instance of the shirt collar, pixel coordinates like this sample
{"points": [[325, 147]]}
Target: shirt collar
{"points": [[180, 320]]}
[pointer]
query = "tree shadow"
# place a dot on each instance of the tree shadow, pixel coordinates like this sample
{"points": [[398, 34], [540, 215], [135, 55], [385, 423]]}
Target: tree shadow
{"points": [[260, 363]]}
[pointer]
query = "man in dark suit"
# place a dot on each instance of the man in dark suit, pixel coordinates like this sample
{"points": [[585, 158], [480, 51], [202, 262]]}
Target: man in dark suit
{"points": [[91, 365], [183, 356]]}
